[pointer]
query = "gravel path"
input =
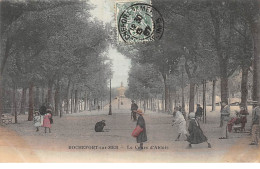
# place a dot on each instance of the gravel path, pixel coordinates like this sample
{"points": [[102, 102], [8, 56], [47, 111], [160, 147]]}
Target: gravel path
{"points": [[117, 145]]}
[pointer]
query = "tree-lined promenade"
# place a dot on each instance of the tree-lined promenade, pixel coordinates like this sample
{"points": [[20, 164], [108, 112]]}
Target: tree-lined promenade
{"points": [[204, 42], [73, 139], [55, 55], [55, 50]]}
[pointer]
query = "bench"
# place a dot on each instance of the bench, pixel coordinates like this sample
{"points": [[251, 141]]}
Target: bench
{"points": [[237, 128], [6, 120]]}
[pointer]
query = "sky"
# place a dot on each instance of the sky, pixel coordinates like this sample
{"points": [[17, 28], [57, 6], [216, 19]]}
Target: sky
{"points": [[104, 11]]}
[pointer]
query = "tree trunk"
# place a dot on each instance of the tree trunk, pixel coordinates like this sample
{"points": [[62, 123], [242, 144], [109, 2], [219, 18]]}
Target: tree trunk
{"points": [[224, 89], [176, 100], [254, 95], [76, 102], [224, 81], [14, 103], [144, 105], [255, 26], [257, 56], [147, 104], [42, 96], [163, 110], [37, 100], [67, 97], [215, 17], [57, 99], [170, 100], [23, 101], [213, 95], [72, 100], [182, 95], [90, 104], [204, 101], [166, 93], [31, 102], [86, 101], [101, 103], [152, 104], [50, 85], [61, 109], [87, 104], [192, 96], [244, 90], [158, 102]]}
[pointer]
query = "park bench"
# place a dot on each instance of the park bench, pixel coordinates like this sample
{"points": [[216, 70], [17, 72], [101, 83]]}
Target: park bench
{"points": [[6, 120], [237, 128]]}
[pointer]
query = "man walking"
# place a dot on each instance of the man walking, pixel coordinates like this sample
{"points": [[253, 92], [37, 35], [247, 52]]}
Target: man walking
{"points": [[224, 117], [199, 111], [255, 124], [134, 108]]}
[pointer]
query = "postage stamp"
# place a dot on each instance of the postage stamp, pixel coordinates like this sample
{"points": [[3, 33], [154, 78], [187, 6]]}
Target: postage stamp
{"points": [[138, 22]]}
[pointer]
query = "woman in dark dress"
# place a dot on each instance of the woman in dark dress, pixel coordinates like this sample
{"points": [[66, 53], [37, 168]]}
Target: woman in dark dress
{"points": [[196, 134], [142, 137]]}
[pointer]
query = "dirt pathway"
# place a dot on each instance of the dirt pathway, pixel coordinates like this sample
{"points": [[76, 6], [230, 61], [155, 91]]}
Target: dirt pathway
{"points": [[20, 142], [14, 149], [242, 152]]}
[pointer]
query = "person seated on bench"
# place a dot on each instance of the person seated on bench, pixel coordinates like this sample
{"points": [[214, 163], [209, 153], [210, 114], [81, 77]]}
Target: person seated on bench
{"points": [[243, 113], [99, 126], [234, 121]]}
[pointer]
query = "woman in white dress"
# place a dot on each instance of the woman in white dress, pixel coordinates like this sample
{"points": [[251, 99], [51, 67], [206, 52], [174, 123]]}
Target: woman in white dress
{"points": [[180, 123]]}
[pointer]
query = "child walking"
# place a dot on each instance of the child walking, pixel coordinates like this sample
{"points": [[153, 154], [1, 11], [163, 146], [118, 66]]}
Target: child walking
{"points": [[142, 137], [38, 120], [47, 121], [196, 134], [180, 123]]}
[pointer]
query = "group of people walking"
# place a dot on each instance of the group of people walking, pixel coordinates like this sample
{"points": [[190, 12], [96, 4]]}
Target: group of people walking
{"points": [[43, 118], [141, 137], [195, 135]]}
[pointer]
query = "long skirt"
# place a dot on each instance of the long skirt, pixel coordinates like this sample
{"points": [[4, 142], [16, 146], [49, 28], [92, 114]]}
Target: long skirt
{"points": [[181, 127]]}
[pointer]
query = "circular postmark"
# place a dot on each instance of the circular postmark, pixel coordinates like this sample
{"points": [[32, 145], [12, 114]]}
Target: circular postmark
{"points": [[140, 22]]}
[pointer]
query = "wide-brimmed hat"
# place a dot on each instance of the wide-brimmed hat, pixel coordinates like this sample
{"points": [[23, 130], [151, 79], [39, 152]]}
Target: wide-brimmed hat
{"points": [[139, 111]]}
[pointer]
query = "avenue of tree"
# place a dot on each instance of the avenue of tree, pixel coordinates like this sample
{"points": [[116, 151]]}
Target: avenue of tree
{"points": [[203, 41], [55, 51]]}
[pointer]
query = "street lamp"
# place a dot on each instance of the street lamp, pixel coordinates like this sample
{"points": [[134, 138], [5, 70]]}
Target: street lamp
{"points": [[110, 106], [182, 64], [182, 88]]}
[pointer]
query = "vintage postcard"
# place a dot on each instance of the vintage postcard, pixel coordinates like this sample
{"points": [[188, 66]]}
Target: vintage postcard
{"points": [[130, 81]]}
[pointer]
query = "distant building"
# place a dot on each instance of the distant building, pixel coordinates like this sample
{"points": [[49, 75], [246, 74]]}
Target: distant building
{"points": [[121, 91]]}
